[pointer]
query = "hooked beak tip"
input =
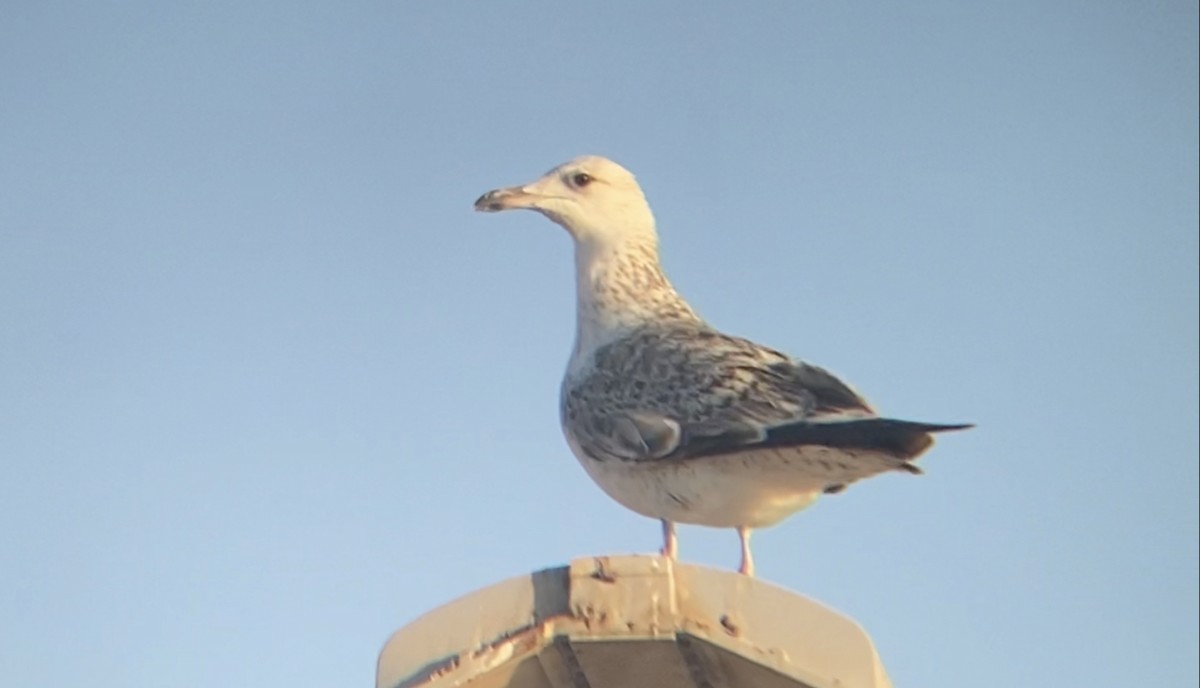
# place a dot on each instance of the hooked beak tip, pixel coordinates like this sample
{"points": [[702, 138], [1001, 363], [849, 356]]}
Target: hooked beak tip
{"points": [[504, 199], [487, 203]]}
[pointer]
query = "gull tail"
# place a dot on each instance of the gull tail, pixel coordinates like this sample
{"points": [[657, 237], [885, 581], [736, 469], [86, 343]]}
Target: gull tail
{"points": [[902, 439]]}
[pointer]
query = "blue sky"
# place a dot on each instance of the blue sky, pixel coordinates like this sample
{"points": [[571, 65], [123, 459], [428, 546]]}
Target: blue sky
{"points": [[269, 389]]}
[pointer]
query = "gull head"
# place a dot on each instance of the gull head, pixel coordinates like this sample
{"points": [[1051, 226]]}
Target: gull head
{"points": [[595, 199]]}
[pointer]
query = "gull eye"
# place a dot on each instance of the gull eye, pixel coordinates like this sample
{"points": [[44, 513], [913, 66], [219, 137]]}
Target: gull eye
{"points": [[581, 179]]}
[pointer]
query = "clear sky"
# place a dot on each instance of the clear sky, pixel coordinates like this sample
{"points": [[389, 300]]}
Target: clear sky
{"points": [[269, 389]]}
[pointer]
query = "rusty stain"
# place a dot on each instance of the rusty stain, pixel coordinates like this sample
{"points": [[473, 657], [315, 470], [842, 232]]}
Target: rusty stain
{"points": [[521, 640], [602, 573]]}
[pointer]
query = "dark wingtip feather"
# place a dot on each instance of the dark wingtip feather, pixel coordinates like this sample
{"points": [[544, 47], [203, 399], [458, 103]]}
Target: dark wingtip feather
{"points": [[947, 428], [902, 439]]}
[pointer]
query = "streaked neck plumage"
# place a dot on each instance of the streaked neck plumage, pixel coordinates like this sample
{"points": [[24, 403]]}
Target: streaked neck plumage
{"points": [[620, 286]]}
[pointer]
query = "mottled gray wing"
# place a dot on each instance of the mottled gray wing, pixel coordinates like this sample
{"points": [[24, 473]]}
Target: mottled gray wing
{"points": [[691, 391]]}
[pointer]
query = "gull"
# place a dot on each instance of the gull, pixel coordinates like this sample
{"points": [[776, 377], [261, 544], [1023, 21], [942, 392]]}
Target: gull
{"points": [[673, 418]]}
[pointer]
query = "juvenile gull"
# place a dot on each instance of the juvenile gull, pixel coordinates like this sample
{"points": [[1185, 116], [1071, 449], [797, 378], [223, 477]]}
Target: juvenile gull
{"points": [[674, 419]]}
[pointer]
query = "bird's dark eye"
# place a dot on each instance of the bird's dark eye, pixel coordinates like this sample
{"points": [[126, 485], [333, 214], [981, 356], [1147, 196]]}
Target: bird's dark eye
{"points": [[581, 179]]}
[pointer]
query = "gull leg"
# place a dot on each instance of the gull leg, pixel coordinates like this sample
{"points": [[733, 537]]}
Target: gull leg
{"points": [[670, 546], [747, 567]]}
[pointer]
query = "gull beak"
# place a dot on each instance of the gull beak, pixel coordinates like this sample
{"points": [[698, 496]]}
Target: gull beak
{"points": [[512, 198]]}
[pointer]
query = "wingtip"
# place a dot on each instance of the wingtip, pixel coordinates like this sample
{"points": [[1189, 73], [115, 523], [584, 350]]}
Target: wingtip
{"points": [[952, 427]]}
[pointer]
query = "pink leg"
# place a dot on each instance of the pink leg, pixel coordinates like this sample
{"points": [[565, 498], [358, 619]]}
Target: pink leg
{"points": [[747, 567], [670, 548]]}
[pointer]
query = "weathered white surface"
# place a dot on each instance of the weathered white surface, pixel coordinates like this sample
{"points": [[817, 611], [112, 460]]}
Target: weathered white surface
{"points": [[631, 622]]}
